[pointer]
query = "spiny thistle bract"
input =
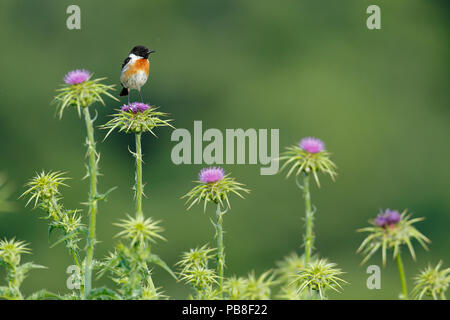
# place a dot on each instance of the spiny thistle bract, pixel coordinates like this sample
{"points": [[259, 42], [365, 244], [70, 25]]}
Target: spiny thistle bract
{"points": [[197, 257], [44, 186], [235, 288], [11, 251], [44, 190], [140, 230], [310, 157], [286, 270], [10, 256], [129, 268], [390, 230], [136, 118], [289, 266], [432, 282], [200, 277], [80, 91], [214, 186], [319, 276], [250, 287], [195, 271], [259, 288]]}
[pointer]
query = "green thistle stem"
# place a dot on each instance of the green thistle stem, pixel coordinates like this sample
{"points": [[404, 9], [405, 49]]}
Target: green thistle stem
{"points": [[139, 187], [55, 207], [309, 238], [92, 201], [401, 271], [220, 249]]}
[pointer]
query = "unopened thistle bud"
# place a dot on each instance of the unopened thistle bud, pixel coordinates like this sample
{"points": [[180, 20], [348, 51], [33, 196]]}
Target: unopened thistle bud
{"points": [[44, 186]]}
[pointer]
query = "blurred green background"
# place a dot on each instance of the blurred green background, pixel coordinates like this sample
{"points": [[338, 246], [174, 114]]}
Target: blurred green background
{"points": [[379, 99]]}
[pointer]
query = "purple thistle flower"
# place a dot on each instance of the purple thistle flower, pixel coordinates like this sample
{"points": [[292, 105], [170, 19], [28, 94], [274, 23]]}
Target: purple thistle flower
{"points": [[211, 174], [76, 76], [380, 220], [135, 107], [388, 218], [312, 145]]}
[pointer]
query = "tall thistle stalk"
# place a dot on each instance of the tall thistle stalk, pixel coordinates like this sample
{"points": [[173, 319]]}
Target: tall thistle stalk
{"points": [[401, 272], [93, 198], [139, 186], [81, 92], [214, 186], [220, 248], [309, 239], [135, 273], [308, 158]]}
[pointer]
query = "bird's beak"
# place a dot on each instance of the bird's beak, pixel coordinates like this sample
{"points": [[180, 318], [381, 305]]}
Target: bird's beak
{"points": [[151, 51]]}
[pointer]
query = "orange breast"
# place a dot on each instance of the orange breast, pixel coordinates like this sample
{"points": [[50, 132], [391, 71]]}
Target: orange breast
{"points": [[139, 65]]}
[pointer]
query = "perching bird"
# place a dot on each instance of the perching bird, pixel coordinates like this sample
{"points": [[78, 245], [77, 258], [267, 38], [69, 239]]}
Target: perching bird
{"points": [[135, 69]]}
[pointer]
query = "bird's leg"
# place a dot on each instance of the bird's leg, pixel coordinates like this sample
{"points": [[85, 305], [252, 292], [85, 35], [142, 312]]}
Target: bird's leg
{"points": [[139, 90], [129, 93]]}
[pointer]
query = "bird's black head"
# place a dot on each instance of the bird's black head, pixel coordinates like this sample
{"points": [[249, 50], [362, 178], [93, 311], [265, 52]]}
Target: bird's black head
{"points": [[141, 51]]}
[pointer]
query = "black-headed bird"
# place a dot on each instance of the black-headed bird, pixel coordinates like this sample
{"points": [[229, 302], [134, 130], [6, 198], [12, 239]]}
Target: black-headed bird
{"points": [[135, 70]]}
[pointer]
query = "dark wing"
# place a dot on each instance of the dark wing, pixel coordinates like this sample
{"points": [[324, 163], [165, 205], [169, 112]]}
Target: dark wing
{"points": [[125, 61]]}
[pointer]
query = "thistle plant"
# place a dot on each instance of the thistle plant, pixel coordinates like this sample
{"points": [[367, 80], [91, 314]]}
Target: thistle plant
{"points": [[81, 92], [129, 264], [235, 288], [137, 118], [44, 192], [392, 230], [259, 288], [195, 271], [287, 269], [432, 282], [10, 258], [319, 277], [307, 158], [214, 186]]}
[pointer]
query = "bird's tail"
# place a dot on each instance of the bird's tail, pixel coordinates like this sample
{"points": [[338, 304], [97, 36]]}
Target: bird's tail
{"points": [[124, 92]]}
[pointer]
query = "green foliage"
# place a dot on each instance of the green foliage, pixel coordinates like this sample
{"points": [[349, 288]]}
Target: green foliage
{"points": [[235, 288], [43, 189], [195, 270], [432, 282], [287, 270], [391, 237], [10, 256], [259, 288]]}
